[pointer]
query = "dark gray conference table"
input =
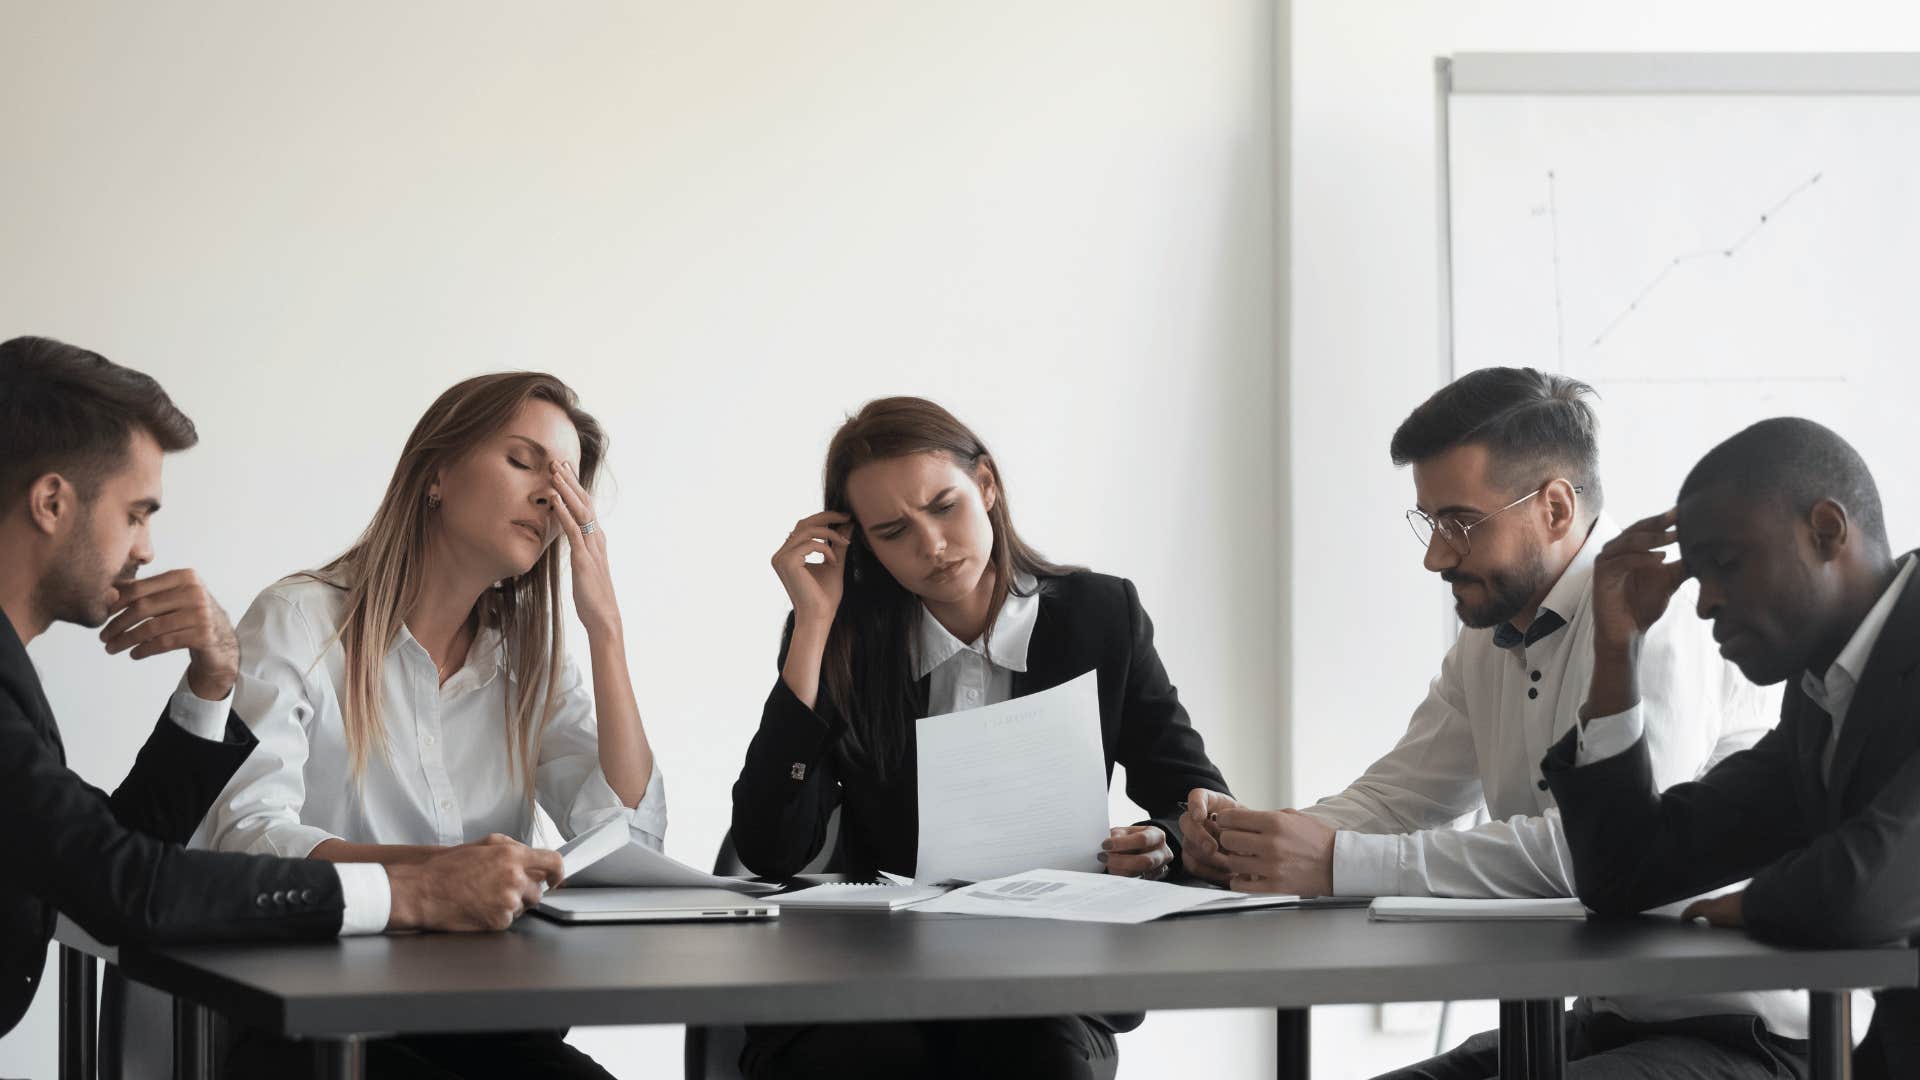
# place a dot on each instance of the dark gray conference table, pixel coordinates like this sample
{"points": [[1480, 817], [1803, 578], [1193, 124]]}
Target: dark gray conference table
{"points": [[858, 966]]}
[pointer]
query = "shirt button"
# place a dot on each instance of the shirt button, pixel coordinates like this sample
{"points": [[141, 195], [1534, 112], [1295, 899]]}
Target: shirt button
{"points": [[1533, 692], [446, 804], [428, 741], [1536, 678], [261, 900], [973, 695], [1542, 785], [308, 895]]}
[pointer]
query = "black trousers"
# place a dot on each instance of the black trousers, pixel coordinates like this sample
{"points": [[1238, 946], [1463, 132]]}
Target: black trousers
{"points": [[1045, 1048], [1603, 1046], [511, 1055]]}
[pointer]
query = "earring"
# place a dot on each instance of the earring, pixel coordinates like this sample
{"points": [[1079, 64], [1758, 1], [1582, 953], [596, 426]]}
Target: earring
{"points": [[433, 502]]}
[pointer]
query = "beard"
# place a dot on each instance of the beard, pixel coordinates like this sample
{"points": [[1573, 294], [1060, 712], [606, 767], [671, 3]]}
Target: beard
{"points": [[1508, 591], [75, 589]]}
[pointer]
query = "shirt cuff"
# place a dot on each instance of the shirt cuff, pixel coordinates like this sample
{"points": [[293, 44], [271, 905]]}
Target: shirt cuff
{"points": [[1609, 736], [1366, 864], [596, 803], [199, 717], [369, 898]]}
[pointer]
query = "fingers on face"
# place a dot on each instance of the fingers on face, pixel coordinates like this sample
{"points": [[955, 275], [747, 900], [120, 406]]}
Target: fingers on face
{"points": [[158, 583], [568, 487]]}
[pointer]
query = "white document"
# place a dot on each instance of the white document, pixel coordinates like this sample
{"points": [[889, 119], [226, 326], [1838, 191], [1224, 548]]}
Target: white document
{"points": [[1008, 787], [1071, 895], [859, 896], [608, 857], [1443, 909]]}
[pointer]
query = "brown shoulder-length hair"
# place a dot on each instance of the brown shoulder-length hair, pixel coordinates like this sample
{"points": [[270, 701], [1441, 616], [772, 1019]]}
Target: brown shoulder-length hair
{"points": [[868, 666], [381, 571]]}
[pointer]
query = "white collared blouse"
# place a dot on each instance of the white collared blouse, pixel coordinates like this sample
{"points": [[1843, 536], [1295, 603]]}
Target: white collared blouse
{"points": [[445, 778]]}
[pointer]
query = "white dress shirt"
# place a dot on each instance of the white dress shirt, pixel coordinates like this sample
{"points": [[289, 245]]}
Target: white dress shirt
{"points": [[1478, 740], [966, 675], [445, 778]]}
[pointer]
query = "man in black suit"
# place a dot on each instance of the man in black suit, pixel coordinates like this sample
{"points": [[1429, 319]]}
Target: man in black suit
{"points": [[81, 445], [1782, 526]]}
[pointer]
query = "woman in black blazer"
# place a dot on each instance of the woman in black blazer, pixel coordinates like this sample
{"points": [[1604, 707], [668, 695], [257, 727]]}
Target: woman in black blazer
{"points": [[913, 596]]}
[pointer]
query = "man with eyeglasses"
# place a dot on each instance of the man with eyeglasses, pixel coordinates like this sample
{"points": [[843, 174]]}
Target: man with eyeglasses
{"points": [[1505, 473]]}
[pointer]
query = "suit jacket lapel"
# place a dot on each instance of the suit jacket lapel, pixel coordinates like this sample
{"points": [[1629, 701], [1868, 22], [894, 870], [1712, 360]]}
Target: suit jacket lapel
{"points": [[1043, 654], [1883, 695]]}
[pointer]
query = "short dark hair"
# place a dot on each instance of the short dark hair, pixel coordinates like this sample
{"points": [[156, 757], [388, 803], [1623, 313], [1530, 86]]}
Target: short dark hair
{"points": [[1798, 463], [67, 410], [1528, 420]]}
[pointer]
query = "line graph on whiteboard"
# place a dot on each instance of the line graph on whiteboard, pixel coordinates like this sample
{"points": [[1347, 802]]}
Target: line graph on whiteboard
{"points": [[1674, 268]]}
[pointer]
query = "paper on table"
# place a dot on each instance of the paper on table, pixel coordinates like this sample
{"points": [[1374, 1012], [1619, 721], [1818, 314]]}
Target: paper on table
{"points": [[1072, 895], [632, 864], [1440, 908], [1008, 787]]}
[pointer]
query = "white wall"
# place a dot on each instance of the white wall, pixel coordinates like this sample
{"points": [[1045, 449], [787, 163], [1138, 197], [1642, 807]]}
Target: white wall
{"points": [[1367, 624], [727, 224]]}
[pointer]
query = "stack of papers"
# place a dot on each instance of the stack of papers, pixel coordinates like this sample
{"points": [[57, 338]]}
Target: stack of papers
{"points": [[1440, 908]]}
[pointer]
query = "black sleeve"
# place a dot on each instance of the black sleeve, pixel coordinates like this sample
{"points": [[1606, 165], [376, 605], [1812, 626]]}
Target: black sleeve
{"points": [[1636, 848], [1856, 885], [176, 778], [1164, 757], [788, 786], [69, 847]]}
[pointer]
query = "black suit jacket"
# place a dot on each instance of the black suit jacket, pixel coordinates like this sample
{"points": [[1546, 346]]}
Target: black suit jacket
{"points": [[115, 863], [1086, 621], [1833, 863]]}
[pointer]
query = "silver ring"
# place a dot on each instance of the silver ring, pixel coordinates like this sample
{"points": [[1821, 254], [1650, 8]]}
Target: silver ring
{"points": [[589, 527]]}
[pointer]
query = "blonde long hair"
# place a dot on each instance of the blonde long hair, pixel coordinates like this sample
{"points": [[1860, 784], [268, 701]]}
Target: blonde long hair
{"points": [[380, 572]]}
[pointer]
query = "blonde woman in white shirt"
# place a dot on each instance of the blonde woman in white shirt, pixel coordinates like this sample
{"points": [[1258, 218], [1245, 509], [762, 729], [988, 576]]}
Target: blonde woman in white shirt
{"points": [[415, 693]]}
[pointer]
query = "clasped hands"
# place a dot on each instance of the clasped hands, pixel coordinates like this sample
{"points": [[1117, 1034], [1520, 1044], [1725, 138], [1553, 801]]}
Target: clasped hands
{"points": [[1274, 851]]}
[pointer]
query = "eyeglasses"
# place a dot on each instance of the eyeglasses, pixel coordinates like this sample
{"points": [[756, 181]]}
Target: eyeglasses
{"points": [[1453, 531]]}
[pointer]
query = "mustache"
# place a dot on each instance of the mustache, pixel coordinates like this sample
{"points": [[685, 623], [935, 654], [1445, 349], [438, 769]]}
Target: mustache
{"points": [[1454, 577]]}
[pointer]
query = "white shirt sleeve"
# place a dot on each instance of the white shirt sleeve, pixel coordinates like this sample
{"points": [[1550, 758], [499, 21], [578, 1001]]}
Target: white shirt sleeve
{"points": [[197, 716], [569, 782], [259, 812], [1431, 776], [369, 898], [1521, 856], [1609, 736], [1425, 783]]}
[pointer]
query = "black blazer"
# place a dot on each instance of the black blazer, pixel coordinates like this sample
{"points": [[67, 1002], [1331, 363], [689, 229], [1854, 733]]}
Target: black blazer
{"points": [[1086, 621], [1832, 864], [115, 863]]}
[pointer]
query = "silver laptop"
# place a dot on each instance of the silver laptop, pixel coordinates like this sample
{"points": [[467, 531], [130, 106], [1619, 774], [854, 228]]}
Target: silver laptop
{"points": [[583, 905]]}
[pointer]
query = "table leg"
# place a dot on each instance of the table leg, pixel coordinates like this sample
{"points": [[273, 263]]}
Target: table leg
{"points": [[1830, 1028], [79, 1028], [192, 1041], [1293, 1044], [344, 1058], [1533, 1042]]}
